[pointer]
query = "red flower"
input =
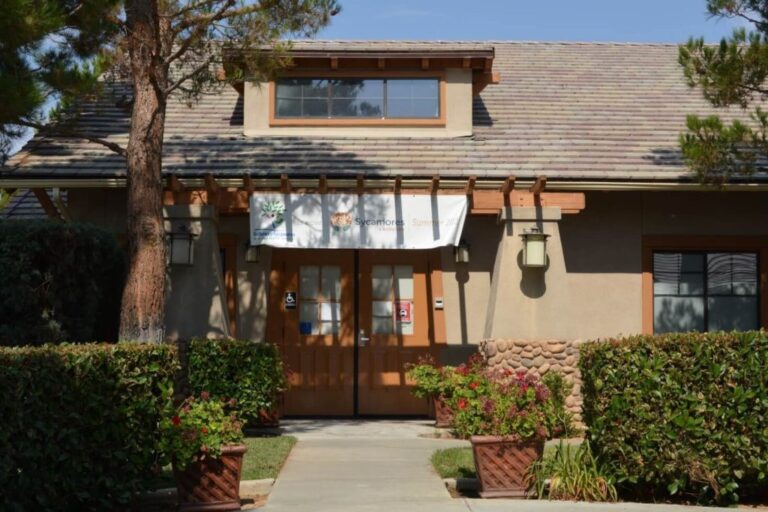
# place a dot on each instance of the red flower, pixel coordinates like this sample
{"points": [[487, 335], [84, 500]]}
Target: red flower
{"points": [[205, 395], [473, 385], [462, 403], [203, 430], [176, 420]]}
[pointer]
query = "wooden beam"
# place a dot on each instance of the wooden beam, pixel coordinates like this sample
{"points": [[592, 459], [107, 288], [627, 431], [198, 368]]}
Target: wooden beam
{"points": [[471, 185], [424, 64], [322, 184], [45, 201], [334, 63], [382, 64], [285, 184], [538, 187], [466, 62], [398, 184], [360, 184], [212, 189], [435, 185], [508, 185], [488, 65], [491, 202]]}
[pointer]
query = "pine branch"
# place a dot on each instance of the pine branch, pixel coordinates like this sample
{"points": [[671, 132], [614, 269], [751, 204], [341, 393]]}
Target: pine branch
{"points": [[60, 131], [187, 76], [200, 24]]}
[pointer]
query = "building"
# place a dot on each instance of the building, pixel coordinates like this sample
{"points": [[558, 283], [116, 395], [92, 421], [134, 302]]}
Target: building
{"points": [[372, 206]]}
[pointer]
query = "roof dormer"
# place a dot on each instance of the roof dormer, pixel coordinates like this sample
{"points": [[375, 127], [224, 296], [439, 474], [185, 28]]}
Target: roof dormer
{"points": [[370, 89]]}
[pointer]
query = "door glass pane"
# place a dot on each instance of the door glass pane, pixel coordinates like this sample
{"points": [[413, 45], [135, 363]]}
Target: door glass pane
{"points": [[330, 311], [331, 282], [382, 325], [381, 281], [382, 308], [678, 314], [404, 282], [732, 313], [329, 327], [308, 281], [308, 318]]}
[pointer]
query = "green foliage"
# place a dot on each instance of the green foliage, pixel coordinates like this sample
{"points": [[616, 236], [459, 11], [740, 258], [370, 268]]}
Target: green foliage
{"points": [[680, 413], [251, 373], [573, 474], [79, 425], [431, 380], [732, 73], [496, 402], [60, 282], [562, 423], [200, 428]]}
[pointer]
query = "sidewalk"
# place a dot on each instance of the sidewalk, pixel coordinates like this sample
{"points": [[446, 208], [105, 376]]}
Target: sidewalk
{"points": [[384, 466]]}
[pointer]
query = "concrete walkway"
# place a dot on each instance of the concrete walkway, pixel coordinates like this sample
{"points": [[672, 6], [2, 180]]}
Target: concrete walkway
{"points": [[384, 466]]}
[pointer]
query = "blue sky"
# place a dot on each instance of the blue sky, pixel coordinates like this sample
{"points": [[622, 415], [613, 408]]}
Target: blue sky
{"points": [[666, 21]]}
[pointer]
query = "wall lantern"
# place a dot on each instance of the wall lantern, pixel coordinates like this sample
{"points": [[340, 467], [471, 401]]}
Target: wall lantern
{"points": [[461, 252], [252, 253], [534, 248], [181, 247]]}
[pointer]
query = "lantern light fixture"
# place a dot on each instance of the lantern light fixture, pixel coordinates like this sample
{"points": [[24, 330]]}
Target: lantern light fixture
{"points": [[534, 248], [181, 247]]}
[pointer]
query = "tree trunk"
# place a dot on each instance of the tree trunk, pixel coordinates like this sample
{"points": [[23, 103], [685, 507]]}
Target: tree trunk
{"points": [[142, 315]]}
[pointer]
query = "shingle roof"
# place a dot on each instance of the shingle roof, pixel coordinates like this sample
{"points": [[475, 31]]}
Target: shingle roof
{"points": [[564, 110]]}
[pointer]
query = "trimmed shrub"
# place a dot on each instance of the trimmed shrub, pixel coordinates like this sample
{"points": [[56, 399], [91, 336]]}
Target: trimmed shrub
{"points": [[79, 424], [251, 373], [680, 414], [60, 282]]}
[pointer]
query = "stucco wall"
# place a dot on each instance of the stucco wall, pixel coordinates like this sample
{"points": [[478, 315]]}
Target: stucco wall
{"points": [[458, 120]]}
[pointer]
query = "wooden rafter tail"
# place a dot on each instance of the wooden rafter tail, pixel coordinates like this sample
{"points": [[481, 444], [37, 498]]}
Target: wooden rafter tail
{"points": [[360, 184], [539, 185], [285, 184], [248, 184], [471, 185], [508, 185], [174, 184], [466, 62], [334, 63], [212, 190], [45, 201], [322, 184], [382, 64], [398, 184], [435, 185], [424, 64]]}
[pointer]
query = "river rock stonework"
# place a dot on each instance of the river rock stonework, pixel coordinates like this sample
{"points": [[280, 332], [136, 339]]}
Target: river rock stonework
{"points": [[539, 357]]}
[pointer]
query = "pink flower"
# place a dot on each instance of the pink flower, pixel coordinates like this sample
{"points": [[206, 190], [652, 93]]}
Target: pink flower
{"points": [[176, 421], [473, 385]]}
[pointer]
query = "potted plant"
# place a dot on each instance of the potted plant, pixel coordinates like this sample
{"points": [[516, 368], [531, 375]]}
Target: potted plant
{"points": [[434, 382], [205, 445], [506, 416]]}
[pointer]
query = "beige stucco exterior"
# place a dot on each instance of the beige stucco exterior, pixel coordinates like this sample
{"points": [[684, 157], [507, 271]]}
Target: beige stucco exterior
{"points": [[592, 287], [458, 115]]}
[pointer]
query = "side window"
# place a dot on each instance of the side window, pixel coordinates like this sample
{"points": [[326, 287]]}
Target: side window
{"points": [[705, 291]]}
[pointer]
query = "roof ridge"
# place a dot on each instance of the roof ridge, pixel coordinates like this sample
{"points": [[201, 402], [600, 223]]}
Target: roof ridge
{"points": [[485, 41]]}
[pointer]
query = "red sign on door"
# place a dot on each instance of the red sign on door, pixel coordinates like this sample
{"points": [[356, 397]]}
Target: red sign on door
{"points": [[403, 309]]}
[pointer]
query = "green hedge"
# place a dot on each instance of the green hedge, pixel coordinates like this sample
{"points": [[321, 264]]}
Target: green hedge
{"points": [[681, 413], [59, 282], [79, 423], [251, 373]]}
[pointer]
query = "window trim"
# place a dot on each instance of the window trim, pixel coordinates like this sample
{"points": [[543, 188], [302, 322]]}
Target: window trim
{"points": [[651, 243], [439, 121]]}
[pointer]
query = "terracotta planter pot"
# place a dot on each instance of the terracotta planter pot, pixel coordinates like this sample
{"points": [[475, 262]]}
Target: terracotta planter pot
{"points": [[443, 412], [211, 484], [502, 465]]}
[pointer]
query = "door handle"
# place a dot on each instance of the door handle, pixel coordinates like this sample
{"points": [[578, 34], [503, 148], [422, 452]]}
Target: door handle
{"points": [[362, 339]]}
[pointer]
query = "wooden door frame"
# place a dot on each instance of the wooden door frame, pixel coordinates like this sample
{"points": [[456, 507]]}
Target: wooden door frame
{"points": [[229, 244]]}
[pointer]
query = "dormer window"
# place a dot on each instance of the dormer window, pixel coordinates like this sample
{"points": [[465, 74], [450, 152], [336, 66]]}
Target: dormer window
{"points": [[366, 100]]}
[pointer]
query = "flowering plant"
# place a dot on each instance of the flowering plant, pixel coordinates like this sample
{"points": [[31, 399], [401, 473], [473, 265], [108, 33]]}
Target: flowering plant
{"points": [[499, 402], [199, 428]]}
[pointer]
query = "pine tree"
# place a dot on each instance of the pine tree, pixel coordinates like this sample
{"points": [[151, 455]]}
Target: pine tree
{"points": [[54, 51], [731, 74]]}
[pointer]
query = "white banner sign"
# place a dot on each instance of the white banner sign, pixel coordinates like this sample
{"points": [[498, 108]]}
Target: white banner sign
{"points": [[349, 221]]}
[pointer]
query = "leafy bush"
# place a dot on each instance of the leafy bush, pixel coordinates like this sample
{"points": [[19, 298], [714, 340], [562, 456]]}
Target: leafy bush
{"points": [[430, 379], [680, 413], [60, 282], [251, 373], [79, 423], [562, 419], [199, 429], [572, 474]]}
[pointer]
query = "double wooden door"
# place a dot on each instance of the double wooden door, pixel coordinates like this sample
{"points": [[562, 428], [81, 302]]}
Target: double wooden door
{"points": [[348, 323]]}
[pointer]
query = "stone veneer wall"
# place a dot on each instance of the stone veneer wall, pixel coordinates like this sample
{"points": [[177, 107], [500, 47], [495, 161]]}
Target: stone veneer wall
{"points": [[539, 357]]}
